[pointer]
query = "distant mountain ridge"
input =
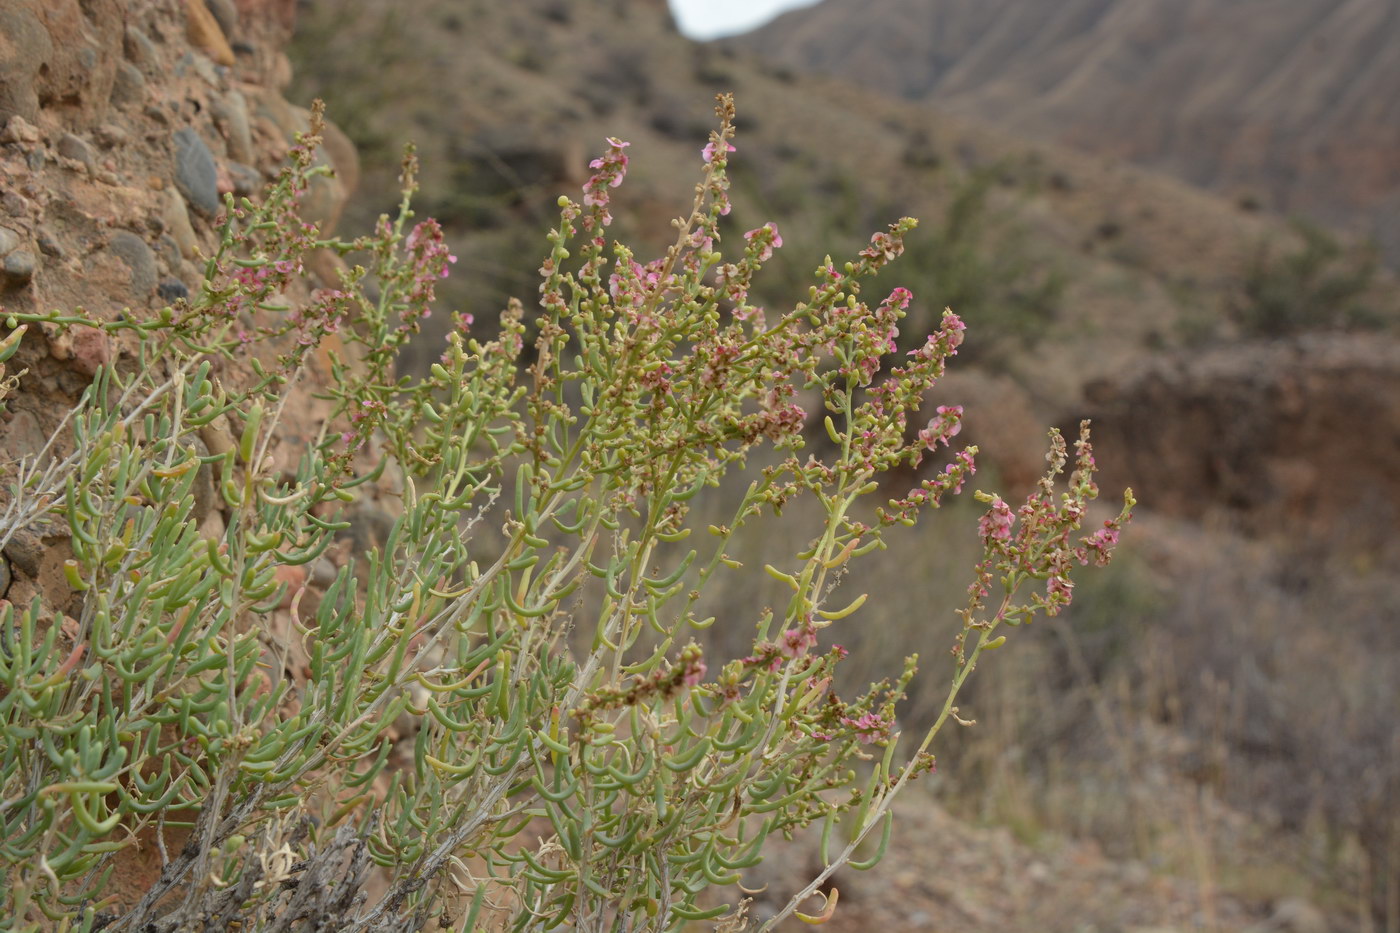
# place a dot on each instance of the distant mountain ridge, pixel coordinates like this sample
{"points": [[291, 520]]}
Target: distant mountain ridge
{"points": [[1295, 105]]}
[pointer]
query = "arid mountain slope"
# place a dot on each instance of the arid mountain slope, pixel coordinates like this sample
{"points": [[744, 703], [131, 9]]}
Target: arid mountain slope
{"points": [[1296, 105], [1031, 242]]}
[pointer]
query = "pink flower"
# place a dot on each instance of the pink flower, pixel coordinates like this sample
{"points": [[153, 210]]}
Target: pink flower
{"points": [[962, 467], [996, 524], [694, 673], [939, 429], [768, 239], [796, 641], [610, 169], [870, 727], [709, 151], [1099, 545]]}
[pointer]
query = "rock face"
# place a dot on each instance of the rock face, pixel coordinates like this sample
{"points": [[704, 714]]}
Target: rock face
{"points": [[1291, 105], [1300, 437], [122, 126]]}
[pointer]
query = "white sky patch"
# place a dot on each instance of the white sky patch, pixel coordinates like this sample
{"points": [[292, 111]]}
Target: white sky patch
{"points": [[710, 19]]}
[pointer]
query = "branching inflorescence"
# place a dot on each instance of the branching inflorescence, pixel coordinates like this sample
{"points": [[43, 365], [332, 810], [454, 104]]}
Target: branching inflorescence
{"points": [[578, 762]]}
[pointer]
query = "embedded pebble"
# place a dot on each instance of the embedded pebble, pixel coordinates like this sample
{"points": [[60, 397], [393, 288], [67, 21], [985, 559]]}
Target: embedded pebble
{"points": [[128, 85], [109, 135], [92, 349], [28, 48], [26, 547], [204, 32], [133, 251], [324, 572], [140, 50], [294, 577], [75, 147], [196, 175], [19, 268], [231, 112], [172, 290], [225, 13], [177, 222], [9, 240], [19, 130], [48, 245], [246, 179]]}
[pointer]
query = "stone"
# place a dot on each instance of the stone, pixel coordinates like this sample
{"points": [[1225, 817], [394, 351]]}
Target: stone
{"points": [[172, 290], [231, 113], [70, 381], [324, 572], [218, 436], [19, 130], [294, 577], [140, 50], [213, 527], [245, 179], [23, 437], [19, 268], [48, 245], [72, 146], [110, 135], [196, 175], [128, 86], [226, 13], [200, 65], [204, 32], [288, 119], [133, 251], [13, 203], [26, 550], [92, 349], [177, 223], [9, 241], [167, 251], [370, 527], [281, 72], [26, 49]]}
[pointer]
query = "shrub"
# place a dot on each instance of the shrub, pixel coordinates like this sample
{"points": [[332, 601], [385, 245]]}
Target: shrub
{"points": [[578, 761], [1321, 285]]}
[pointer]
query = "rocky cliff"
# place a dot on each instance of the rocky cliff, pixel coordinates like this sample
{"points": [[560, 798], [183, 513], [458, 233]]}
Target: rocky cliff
{"points": [[1290, 105], [125, 122]]}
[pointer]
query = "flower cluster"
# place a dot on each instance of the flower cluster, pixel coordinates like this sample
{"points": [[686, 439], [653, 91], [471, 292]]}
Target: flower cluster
{"points": [[609, 170], [428, 261]]}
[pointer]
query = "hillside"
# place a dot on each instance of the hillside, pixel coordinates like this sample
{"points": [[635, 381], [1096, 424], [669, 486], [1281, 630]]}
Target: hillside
{"points": [[1071, 271], [1290, 105]]}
